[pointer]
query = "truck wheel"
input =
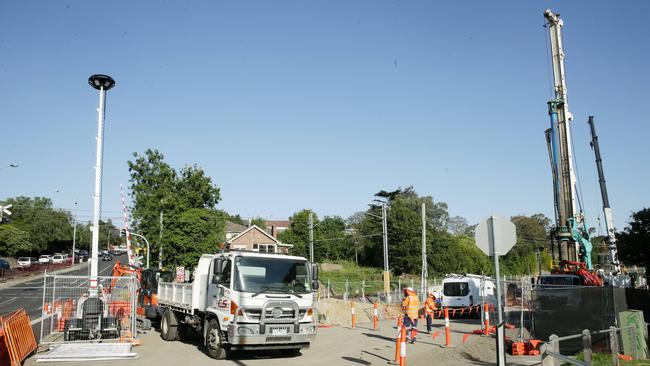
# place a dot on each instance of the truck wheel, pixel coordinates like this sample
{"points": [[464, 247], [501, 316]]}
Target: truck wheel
{"points": [[169, 326], [214, 342], [291, 352]]}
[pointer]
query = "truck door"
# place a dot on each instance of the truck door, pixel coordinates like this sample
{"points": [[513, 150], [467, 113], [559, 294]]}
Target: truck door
{"points": [[219, 294]]}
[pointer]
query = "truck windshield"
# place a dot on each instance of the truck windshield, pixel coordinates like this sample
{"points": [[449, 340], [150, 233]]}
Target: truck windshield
{"points": [[455, 289], [264, 274]]}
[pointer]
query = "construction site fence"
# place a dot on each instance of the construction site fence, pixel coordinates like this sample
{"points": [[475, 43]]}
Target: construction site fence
{"points": [[71, 313], [17, 339]]}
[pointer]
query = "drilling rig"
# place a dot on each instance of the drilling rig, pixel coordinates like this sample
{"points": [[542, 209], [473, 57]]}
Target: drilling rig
{"points": [[570, 234]]}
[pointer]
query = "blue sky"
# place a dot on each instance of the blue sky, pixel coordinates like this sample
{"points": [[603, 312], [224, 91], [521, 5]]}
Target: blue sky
{"points": [[293, 104]]}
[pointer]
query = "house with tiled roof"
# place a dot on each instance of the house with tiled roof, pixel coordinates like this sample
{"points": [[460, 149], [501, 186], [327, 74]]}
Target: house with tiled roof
{"points": [[257, 240]]}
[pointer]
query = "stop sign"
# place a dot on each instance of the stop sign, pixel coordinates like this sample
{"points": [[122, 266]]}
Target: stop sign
{"points": [[495, 235]]}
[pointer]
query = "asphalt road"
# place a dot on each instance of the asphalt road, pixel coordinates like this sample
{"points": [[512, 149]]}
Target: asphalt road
{"points": [[29, 295]]}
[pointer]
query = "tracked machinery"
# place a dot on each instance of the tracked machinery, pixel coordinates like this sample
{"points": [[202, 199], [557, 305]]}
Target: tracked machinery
{"points": [[570, 238]]}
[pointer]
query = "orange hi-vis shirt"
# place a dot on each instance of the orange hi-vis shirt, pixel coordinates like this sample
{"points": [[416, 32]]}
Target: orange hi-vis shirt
{"points": [[429, 305], [410, 306]]}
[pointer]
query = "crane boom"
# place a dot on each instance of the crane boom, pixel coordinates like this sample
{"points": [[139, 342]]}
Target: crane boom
{"points": [[612, 255], [569, 231]]}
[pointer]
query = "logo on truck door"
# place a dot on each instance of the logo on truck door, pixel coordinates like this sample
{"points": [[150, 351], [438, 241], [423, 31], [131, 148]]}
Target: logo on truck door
{"points": [[223, 303]]}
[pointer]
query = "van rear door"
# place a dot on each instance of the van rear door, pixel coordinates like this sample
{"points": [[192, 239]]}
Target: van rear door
{"points": [[455, 294]]}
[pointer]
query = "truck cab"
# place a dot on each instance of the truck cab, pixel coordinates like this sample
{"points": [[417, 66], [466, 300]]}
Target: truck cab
{"points": [[244, 301]]}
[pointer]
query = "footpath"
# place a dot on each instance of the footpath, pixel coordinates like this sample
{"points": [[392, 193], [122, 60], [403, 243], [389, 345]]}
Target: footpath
{"points": [[338, 345]]}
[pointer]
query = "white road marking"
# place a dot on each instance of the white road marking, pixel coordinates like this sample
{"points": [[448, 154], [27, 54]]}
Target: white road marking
{"points": [[8, 301]]}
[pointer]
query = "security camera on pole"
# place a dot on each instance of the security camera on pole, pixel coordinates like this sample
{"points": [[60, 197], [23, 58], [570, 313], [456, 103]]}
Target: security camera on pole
{"points": [[495, 236], [103, 83]]}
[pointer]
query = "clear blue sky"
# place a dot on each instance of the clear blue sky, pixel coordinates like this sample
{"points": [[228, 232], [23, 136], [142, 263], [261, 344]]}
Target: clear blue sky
{"points": [[291, 105]]}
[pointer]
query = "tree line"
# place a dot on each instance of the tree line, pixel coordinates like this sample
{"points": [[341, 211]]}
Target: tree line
{"points": [[177, 211]]}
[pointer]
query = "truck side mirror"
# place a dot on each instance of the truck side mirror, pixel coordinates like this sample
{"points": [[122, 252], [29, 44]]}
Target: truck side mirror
{"points": [[314, 272], [218, 266], [314, 285]]}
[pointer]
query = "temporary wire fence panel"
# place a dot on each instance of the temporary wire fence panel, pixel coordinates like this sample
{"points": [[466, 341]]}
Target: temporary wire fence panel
{"points": [[71, 314]]}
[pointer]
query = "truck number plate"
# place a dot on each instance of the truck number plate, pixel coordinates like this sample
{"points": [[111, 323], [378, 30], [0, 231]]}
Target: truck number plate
{"points": [[279, 331]]}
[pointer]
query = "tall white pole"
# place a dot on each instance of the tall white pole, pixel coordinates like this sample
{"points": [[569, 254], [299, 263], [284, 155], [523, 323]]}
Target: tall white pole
{"points": [[98, 192], [74, 237], [311, 237], [160, 248], [385, 242], [425, 274]]}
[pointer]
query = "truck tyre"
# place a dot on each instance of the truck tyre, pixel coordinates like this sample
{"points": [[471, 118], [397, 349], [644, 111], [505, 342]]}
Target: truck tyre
{"points": [[169, 326], [214, 342]]}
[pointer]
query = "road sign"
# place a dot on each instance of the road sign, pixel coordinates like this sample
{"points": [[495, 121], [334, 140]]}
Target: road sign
{"points": [[496, 234], [5, 210]]}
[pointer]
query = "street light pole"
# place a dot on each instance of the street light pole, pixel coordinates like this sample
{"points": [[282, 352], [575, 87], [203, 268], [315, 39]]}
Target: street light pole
{"points": [[103, 83], [74, 232], [311, 237], [384, 227]]}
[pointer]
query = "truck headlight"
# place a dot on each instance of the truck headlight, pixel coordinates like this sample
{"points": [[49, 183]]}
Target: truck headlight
{"points": [[243, 331], [308, 329]]}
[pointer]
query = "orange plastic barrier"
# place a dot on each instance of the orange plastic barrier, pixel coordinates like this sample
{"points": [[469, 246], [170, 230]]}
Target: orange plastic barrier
{"points": [[487, 319], [447, 332], [375, 316], [18, 337], [402, 351], [354, 317], [399, 338]]}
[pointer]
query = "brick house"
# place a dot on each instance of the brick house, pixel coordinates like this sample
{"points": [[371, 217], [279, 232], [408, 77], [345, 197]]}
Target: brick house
{"points": [[257, 240]]}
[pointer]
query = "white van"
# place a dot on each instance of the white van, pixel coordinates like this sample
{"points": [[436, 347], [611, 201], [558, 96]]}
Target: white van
{"points": [[459, 291]]}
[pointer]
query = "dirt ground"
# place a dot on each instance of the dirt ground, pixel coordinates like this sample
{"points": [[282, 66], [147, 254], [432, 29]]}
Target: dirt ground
{"points": [[337, 345]]}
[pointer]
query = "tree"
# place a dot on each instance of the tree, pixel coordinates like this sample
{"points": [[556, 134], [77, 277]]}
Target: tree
{"points": [[14, 241], [634, 241], [49, 229], [457, 225], [187, 200], [531, 236], [260, 222], [298, 233]]}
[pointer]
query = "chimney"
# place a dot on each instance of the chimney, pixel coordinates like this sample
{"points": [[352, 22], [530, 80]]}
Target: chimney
{"points": [[274, 233]]}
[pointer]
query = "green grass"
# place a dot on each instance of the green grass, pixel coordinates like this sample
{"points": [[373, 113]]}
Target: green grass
{"points": [[356, 277], [605, 359]]}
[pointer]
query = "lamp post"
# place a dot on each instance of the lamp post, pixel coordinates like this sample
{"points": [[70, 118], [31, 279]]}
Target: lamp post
{"points": [[102, 83]]}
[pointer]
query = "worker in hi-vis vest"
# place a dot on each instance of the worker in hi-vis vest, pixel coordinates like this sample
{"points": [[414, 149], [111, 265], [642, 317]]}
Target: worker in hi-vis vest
{"points": [[429, 307], [410, 307]]}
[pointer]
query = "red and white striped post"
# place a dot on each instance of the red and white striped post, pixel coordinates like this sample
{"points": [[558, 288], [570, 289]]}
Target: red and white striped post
{"points": [[487, 319], [354, 317], [402, 353], [399, 338], [447, 332], [375, 316]]}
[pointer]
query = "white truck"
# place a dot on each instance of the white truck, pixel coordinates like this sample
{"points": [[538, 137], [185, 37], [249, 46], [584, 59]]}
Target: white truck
{"points": [[460, 291], [243, 300]]}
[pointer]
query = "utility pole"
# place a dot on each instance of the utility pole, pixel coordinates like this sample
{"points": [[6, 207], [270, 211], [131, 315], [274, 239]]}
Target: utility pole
{"points": [[74, 232], [311, 237], [425, 273], [103, 83], [385, 240], [160, 248]]}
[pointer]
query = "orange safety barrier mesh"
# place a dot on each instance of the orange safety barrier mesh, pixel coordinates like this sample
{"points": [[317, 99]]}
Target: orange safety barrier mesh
{"points": [[18, 337]]}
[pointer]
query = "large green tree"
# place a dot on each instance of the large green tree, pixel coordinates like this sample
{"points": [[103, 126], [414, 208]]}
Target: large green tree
{"points": [[13, 241], [532, 235], [187, 199], [49, 229], [634, 241]]}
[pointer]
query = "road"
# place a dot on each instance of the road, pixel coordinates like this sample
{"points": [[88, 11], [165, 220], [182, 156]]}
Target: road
{"points": [[29, 295], [333, 346]]}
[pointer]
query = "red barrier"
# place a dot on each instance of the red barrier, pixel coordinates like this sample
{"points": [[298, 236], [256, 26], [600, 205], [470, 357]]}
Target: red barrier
{"points": [[399, 338], [487, 319]]}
